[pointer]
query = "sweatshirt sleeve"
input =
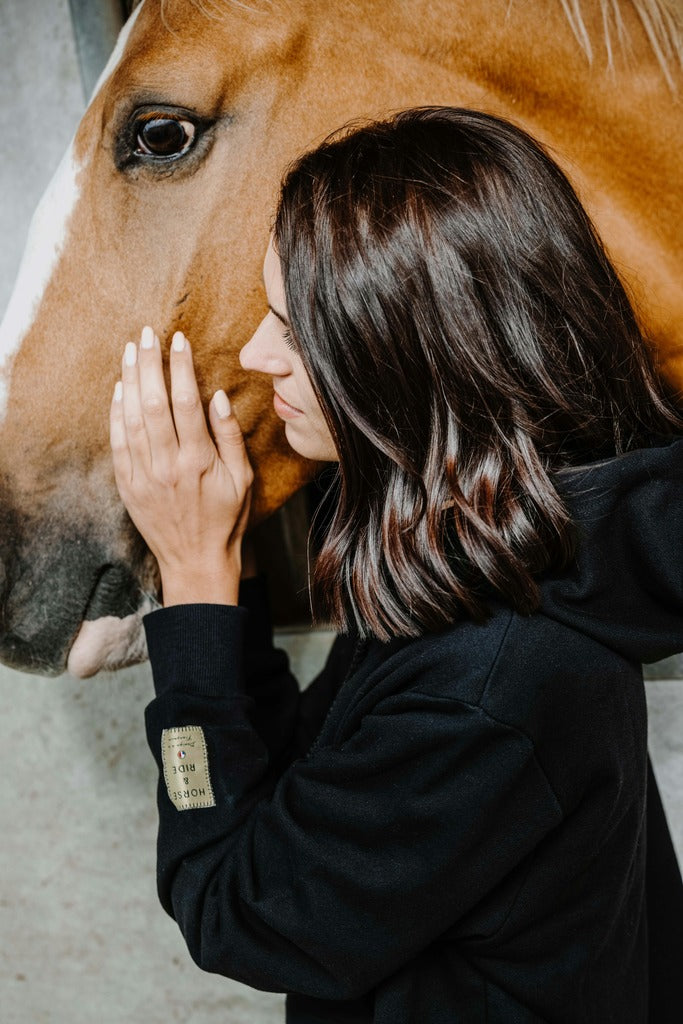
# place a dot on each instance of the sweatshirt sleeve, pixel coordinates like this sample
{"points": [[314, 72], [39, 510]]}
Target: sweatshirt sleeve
{"points": [[326, 877], [267, 679], [286, 720]]}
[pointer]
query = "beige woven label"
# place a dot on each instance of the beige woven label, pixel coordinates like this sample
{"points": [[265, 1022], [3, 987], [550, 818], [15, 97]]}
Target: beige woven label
{"points": [[186, 767]]}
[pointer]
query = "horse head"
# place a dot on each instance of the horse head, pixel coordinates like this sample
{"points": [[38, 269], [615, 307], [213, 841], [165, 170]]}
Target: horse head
{"points": [[159, 213]]}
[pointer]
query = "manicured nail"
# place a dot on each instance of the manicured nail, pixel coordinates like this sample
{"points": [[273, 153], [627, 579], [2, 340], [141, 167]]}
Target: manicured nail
{"points": [[178, 341], [222, 404], [131, 354], [118, 391], [147, 338]]}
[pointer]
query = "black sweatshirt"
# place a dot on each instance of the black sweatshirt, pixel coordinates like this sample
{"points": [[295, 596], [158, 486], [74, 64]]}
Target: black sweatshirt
{"points": [[445, 830]]}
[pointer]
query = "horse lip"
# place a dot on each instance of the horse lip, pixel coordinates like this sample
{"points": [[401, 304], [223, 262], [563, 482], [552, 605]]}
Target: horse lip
{"points": [[107, 644], [110, 635]]}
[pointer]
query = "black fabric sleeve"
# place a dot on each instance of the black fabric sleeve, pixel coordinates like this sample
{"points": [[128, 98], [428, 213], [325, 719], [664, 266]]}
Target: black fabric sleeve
{"points": [[325, 878], [286, 719], [267, 679]]}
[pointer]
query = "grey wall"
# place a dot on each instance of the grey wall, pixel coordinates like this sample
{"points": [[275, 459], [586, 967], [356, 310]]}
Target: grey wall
{"points": [[82, 937]]}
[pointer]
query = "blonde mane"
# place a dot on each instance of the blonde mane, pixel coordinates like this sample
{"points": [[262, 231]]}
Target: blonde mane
{"points": [[662, 21]]}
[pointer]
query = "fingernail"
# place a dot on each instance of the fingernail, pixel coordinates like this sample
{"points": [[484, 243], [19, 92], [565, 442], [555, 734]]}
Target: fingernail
{"points": [[131, 354], [118, 391], [178, 341], [222, 404], [147, 338]]}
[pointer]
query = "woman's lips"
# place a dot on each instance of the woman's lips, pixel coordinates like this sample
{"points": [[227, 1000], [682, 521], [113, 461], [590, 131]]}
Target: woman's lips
{"points": [[284, 410]]}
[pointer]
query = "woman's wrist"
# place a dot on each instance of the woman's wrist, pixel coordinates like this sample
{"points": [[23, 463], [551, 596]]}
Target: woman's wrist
{"points": [[218, 585]]}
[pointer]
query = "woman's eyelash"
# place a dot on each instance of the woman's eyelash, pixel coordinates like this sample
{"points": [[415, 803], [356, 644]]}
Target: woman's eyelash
{"points": [[289, 340]]}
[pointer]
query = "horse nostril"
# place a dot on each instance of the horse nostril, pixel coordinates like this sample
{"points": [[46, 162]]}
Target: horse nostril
{"points": [[116, 592]]}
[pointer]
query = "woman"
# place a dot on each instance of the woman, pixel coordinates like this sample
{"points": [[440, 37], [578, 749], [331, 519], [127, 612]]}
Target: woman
{"points": [[448, 826]]}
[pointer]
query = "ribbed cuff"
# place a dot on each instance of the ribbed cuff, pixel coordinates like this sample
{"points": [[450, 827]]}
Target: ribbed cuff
{"points": [[197, 648]]}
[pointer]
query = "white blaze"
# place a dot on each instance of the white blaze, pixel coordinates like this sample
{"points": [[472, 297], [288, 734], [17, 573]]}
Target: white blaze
{"points": [[46, 238]]}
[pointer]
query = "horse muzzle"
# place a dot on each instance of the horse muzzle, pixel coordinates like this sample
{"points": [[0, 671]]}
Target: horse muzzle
{"points": [[68, 602], [111, 635]]}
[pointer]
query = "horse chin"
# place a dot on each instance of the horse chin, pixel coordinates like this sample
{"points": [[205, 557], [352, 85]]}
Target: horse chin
{"points": [[109, 643]]}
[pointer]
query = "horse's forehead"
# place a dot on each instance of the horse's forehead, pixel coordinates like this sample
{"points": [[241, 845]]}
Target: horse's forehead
{"points": [[177, 55], [47, 237], [175, 34]]}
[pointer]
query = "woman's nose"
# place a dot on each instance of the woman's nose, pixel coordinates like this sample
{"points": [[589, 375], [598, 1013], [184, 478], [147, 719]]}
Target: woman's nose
{"points": [[262, 353]]}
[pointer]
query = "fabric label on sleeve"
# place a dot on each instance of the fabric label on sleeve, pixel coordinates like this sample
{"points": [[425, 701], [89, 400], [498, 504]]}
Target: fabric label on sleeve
{"points": [[186, 767]]}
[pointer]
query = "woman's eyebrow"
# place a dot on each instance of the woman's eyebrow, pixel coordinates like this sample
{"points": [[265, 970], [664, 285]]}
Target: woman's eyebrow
{"points": [[281, 317]]}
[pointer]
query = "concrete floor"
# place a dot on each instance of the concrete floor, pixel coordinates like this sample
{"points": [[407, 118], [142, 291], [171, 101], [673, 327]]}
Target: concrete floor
{"points": [[83, 938]]}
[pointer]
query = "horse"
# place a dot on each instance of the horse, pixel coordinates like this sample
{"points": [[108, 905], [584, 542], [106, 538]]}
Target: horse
{"points": [[160, 211]]}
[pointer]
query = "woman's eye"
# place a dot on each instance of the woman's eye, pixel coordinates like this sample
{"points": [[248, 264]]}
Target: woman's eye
{"points": [[164, 136]]}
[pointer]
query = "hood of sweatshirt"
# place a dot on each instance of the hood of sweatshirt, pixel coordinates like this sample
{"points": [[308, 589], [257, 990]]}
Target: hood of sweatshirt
{"points": [[625, 586]]}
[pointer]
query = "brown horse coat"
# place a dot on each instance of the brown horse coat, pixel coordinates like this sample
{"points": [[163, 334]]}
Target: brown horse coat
{"points": [[124, 239]]}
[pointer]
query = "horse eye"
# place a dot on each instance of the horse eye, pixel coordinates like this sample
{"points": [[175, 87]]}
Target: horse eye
{"points": [[164, 136]]}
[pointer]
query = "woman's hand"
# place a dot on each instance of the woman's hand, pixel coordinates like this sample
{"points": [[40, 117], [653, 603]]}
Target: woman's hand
{"points": [[188, 496]]}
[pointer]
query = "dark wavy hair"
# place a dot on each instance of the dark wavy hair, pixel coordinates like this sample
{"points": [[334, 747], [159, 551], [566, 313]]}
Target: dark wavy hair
{"points": [[466, 337]]}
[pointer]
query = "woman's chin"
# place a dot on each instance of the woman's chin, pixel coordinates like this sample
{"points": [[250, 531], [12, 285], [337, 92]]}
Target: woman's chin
{"points": [[316, 448]]}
